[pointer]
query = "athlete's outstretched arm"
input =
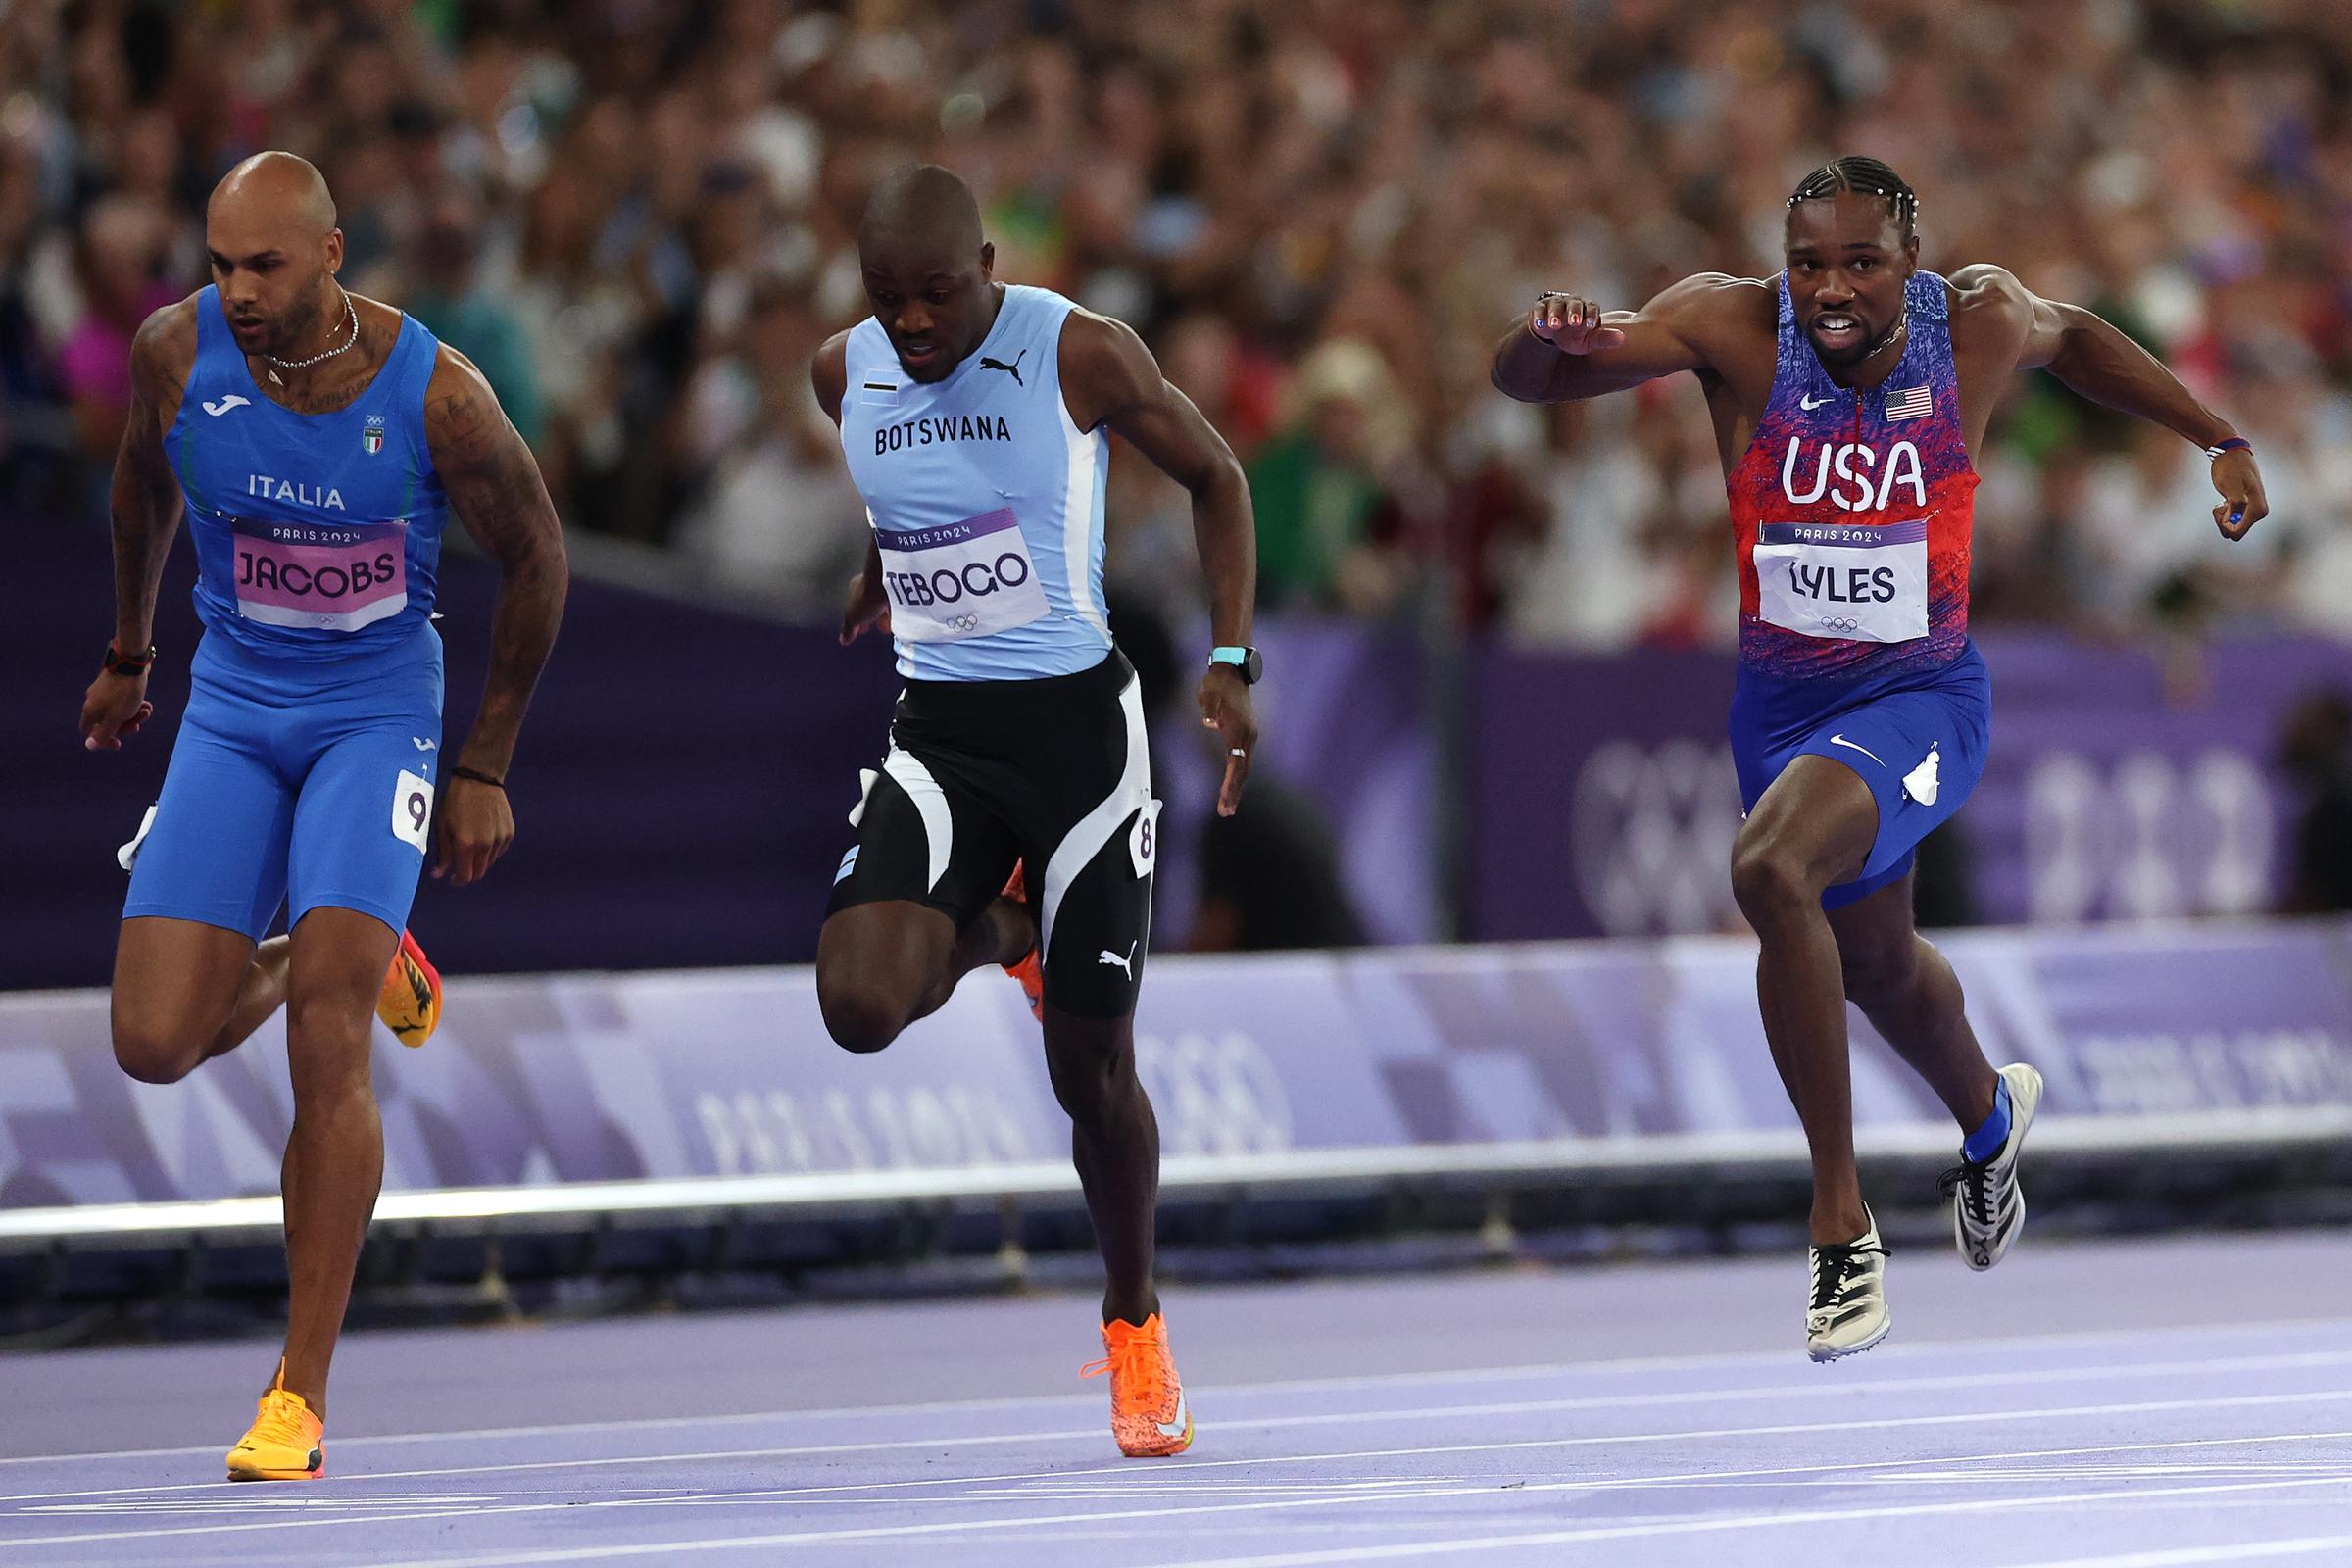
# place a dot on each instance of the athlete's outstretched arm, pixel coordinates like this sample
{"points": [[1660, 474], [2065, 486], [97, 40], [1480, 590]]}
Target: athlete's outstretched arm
{"points": [[2096, 360], [493, 481], [145, 516], [1108, 378], [1568, 347]]}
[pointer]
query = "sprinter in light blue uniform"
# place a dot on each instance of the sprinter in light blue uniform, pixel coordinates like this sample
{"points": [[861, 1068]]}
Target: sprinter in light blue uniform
{"points": [[316, 445], [975, 416]]}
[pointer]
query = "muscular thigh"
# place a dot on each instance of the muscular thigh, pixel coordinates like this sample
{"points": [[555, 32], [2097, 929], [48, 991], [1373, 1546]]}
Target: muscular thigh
{"points": [[929, 834], [1091, 841], [363, 818], [1818, 813], [1875, 933], [177, 978], [215, 853]]}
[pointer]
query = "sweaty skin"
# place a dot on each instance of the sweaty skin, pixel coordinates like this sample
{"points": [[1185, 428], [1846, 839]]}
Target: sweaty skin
{"points": [[1847, 254], [929, 278], [1848, 264], [184, 991]]}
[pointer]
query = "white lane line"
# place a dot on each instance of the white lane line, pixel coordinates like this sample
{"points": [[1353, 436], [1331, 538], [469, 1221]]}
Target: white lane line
{"points": [[1887, 1423], [1632, 1366], [1652, 1528], [1172, 1478], [1813, 1388], [800, 1537], [2185, 1556]]}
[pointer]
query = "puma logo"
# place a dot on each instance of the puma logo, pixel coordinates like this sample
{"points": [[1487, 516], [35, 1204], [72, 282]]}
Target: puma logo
{"points": [[233, 401], [1014, 370], [1127, 965]]}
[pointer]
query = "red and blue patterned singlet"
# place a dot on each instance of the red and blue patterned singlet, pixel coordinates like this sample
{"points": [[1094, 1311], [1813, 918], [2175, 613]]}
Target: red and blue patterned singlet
{"points": [[1852, 510]]}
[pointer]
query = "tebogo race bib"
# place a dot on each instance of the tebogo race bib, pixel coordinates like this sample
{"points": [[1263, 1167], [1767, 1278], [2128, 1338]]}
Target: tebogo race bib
{"points": [[334, 576], [1840, 580], [960, 580]]}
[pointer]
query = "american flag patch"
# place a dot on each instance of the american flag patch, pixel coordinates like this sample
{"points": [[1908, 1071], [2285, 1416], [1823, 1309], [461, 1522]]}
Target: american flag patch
{"points": [[1911, 403]]}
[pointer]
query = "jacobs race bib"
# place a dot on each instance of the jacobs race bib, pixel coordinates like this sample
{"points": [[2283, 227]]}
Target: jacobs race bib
{"points": [[330, 576]]}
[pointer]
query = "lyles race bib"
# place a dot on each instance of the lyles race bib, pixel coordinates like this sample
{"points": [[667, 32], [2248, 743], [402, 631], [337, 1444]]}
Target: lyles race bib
{"points": [[1841, 580], [333, 577], [960, 580]]}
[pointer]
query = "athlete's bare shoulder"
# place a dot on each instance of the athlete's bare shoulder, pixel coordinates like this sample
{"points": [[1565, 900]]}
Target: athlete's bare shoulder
{"points": [[465, 428], [164, 353], [458, 399], [829, 374], [1989, 308], [1104, 365], [1730, 323], [1720, 297]]}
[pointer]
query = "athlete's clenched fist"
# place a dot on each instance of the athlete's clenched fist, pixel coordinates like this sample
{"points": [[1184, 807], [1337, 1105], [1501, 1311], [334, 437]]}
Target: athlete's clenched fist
{"points": [[1572, 325]]}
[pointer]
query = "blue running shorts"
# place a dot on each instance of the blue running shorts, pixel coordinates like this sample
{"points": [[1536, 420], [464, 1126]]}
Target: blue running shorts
{"points": [[301, 779], [1918, 740]]}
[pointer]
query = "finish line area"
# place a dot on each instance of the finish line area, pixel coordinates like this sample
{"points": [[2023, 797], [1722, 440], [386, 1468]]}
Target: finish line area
{"points": [[2122, 1405]]}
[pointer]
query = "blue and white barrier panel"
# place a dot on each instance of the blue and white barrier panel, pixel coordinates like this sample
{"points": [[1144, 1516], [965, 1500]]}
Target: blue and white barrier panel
{"points": [[610, 1094]]}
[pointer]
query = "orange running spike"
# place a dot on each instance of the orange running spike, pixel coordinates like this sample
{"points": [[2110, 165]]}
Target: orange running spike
{"points": [[1030, 970], [1149, 1415], [410, 1003]]}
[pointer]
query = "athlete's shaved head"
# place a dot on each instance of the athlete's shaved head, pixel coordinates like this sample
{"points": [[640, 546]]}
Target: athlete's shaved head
{"points": [[270, 229], [276, 187], [924, 207], [929, 273]]}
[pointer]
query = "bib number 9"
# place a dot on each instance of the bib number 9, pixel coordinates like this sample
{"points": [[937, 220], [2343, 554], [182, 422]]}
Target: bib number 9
{"points": [[411, 808]]}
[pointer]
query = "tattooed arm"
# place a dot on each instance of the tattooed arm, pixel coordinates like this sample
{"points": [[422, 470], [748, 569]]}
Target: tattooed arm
{"points": [[494, 484], [145, 510]]}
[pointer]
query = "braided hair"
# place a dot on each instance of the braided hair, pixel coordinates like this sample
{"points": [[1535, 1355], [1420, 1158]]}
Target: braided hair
{"points": [[1864, 176]]}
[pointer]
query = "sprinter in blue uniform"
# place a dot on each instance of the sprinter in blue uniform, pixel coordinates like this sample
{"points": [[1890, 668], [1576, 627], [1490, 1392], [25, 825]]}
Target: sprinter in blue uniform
{"points": [[975, 416], [317, 444]]}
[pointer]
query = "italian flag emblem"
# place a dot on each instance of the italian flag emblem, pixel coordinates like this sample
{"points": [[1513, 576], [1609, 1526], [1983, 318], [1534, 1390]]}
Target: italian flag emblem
{"points": [[371, 439]]}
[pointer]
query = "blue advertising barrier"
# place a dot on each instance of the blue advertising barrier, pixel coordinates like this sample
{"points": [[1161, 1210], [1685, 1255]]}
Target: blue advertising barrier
{"points": [[677, 1091]]}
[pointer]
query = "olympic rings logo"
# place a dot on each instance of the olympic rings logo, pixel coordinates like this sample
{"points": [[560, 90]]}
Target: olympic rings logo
{"points": [[1650, 831], [964, 623], [1840, 623]]}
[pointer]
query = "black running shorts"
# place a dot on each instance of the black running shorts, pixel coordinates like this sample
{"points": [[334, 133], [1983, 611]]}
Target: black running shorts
{"points": [[1053, 773]]}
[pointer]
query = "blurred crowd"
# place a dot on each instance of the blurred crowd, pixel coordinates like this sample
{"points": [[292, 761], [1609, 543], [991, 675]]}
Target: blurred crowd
{"points": [[638, 216]]}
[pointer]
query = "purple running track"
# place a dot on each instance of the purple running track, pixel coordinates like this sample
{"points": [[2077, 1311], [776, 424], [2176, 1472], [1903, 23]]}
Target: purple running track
{"points": [[2146, 1404]]}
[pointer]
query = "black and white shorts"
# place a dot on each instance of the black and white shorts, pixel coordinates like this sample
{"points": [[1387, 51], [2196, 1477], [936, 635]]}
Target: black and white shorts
{"points": [[1052, 772]]}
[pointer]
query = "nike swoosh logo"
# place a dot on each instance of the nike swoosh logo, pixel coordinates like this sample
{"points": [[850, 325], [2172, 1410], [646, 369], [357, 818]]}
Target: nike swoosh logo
{"points": [[233, 401], [1178, 1427], [1809, 404], [1840, 740]]}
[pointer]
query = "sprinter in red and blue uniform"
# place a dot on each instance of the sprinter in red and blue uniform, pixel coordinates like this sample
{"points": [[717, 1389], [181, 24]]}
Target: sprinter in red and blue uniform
{"points": [[1847, 395]]}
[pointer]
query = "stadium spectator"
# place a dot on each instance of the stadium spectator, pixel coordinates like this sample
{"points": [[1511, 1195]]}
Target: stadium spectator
{"points": [[1316, 211]]}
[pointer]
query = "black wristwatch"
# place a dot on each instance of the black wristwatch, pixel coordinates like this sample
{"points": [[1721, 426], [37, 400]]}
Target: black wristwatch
{"points": [[119, 663], [1245, 660]]}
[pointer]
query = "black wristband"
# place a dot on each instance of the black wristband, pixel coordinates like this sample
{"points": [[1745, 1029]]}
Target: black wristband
{"points": [[118, 662], [478, 776]]}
